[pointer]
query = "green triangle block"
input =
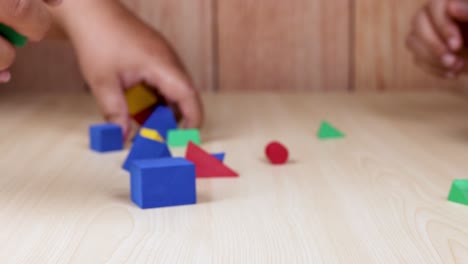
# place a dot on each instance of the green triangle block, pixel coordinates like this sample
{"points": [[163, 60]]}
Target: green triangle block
{"points": [[459, 192], [181, 137], [327, 131]]}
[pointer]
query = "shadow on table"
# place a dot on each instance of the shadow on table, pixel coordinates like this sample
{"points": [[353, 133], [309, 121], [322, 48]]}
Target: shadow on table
{"points": [[267, 162], [124, 198]]}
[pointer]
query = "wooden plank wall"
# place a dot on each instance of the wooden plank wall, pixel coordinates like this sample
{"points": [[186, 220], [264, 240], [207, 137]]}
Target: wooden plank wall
{"points": [[251, 45], [381, 60], [284, 45], [46, 66]]}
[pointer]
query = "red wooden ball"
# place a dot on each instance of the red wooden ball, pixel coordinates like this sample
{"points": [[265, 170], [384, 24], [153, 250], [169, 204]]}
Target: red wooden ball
{"points": [[277, 153]]}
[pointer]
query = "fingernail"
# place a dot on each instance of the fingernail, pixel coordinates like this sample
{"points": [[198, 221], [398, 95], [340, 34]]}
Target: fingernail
{"points": [[449, 60], [5, 76], [454, 43]]}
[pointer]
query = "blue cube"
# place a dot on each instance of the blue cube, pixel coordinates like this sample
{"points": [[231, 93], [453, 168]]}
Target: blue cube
{"points": [[163, 182], [144, 148], [161, 120], [106, 137]]}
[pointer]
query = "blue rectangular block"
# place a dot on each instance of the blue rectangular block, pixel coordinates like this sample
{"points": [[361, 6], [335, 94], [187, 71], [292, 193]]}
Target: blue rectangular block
{"points": [[106, 137], [163, 182], [144, 148], [162, 120], [219, 156]]}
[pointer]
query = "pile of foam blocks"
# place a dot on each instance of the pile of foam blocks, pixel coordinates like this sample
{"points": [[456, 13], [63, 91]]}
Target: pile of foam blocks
{"points": [[157, 179]]}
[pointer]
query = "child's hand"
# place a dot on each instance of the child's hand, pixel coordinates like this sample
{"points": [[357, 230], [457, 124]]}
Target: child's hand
{"points": [[29, 18], [436, 39], [117, 51]]}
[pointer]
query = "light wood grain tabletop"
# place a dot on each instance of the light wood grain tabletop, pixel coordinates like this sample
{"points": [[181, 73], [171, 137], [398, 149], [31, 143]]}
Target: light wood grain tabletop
{"points": [[377, 196]]}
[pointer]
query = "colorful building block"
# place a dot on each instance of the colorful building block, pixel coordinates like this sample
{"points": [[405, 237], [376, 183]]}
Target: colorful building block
{"points": [[12, 36], [161, 120], [181, 137], [141, 102], [151, 134], [206, 165], [276, 153], [106, 137], [327, 131], [139, 98], [144, 148], [163, 182], [459, 192], [219, 156], [142, 116]]}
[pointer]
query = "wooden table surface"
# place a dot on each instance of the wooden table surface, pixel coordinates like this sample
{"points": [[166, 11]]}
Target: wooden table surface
{"points": [[377, 196]]}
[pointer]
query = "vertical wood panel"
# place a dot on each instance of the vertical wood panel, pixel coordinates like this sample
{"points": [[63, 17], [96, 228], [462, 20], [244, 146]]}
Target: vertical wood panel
{"points": [[46, 66], [284, 45], [381, 59], [188, 27]]}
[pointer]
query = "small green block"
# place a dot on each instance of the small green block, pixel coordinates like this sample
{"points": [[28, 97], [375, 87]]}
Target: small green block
{"points": [[327, 131], [459, 192], [12, 36], [181, 137]]}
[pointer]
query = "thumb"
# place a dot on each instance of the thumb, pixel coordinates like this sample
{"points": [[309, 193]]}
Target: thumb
{"points": [[111, 101], [28, 17], [7, 54]]}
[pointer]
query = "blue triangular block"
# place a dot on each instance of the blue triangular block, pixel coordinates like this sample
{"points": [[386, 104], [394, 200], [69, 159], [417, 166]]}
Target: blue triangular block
{"points": [[161, 120], [144, 148], [219, 156]]}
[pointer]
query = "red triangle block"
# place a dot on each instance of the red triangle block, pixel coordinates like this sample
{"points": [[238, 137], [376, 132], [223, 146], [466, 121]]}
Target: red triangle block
{"points": [[207, 166]]}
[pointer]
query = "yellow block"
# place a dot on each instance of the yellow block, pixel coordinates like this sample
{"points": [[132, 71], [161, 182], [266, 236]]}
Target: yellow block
{"points": [[139, 98], [151, 134]]}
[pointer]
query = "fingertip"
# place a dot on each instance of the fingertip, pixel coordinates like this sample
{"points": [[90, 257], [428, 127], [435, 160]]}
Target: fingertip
{"points": [[449, 60], [192, 122], [111, 101], [7, 54], [187, 100], [5, 76], [122, 121], [193, 114], [455, 43], [176, 86]]}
